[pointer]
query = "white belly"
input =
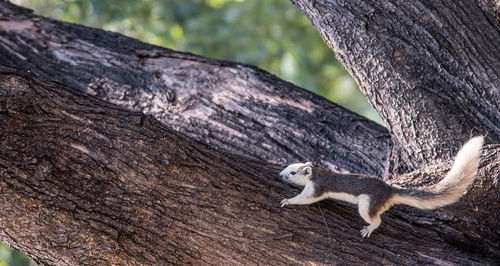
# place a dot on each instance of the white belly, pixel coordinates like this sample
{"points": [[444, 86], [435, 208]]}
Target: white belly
{"points": [[343, 197]]}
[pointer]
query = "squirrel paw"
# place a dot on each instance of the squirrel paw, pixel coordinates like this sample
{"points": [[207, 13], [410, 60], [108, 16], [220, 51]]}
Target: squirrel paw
{"points": [[366, 232], [283, 203]]}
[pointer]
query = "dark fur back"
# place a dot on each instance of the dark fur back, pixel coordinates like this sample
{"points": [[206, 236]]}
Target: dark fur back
{"points": [[355, 184]]}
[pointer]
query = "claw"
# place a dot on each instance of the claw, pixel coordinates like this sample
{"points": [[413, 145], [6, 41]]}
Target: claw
{"points": [[365, 232], [283, 203]]}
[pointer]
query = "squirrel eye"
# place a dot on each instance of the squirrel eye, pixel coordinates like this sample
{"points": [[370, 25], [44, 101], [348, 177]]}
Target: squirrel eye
{"points": [[293, 172]]}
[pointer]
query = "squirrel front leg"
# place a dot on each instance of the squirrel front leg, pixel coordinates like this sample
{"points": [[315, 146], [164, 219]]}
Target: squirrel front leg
{"points": [[304, 198]]}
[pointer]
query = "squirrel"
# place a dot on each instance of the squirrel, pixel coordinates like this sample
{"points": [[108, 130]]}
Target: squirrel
{"points": [[373, 196]]}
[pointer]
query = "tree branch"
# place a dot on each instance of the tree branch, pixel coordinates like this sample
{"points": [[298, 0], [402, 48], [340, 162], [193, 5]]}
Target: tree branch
{"points": [[87, 182], [231, 106]]}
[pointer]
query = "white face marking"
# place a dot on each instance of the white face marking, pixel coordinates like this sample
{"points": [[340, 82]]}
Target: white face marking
{"points": [[297, 173]]}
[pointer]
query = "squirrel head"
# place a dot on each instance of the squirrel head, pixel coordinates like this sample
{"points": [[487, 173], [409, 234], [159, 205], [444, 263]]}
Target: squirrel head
{"points": [[297, 173]]}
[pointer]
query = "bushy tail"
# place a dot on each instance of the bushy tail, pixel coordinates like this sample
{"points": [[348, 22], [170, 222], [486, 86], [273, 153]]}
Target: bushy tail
{"points": [[452, 187]]}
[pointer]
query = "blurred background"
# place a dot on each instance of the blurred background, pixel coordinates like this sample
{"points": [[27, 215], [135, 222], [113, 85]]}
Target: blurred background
{"points": [[271, 34]]}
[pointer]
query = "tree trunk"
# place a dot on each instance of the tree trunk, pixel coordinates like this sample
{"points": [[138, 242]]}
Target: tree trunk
{"points": [[431, 69], [86, 181]]}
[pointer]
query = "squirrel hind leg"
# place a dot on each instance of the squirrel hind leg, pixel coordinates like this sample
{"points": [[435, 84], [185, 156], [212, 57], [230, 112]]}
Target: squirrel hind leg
{"points": [[364, 212]]}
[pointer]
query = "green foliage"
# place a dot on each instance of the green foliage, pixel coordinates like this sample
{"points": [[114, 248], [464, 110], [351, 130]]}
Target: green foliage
{"points": [[271, 34], [12, 257]]}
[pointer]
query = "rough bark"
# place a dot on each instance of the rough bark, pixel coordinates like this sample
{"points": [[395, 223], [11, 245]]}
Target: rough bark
{"points": [[87, 182], [231, 106], [431, 69]]}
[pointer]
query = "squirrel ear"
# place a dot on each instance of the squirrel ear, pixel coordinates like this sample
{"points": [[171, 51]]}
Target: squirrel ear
{"points": [[307, 171], [308, 164]]}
